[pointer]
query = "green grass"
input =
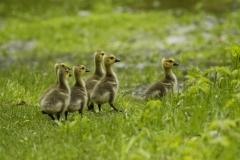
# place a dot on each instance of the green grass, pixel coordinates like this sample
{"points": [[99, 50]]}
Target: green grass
{"points": [[201, 121]]}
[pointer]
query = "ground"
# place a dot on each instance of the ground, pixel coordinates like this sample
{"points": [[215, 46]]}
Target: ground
{"points": [[200, 121]]}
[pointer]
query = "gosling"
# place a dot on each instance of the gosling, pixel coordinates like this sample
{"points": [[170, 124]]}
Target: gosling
{"points": [[106, 89], [57, 99], [56, 67], [96, 76], [164, 86], [79, 97]]}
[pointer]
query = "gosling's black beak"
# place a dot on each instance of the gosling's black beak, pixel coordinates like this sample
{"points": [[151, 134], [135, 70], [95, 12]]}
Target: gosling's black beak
{"points": [[69, 68], [87, 70], [117, 60], [70, 75], [176, 64]]}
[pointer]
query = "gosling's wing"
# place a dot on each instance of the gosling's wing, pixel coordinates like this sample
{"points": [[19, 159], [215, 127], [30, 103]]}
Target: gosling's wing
{"points": [[156, 90], [47, 91]]}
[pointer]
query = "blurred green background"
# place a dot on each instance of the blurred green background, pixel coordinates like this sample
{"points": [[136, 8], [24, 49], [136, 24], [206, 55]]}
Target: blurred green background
{"points": [[37, 34], [13, 7]]}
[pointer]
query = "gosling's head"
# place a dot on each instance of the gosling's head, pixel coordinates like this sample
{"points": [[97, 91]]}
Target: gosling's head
{"points": [[168, 63], [80, 69], [98, 55], [60, 65], [110, 59], [64, 72]]}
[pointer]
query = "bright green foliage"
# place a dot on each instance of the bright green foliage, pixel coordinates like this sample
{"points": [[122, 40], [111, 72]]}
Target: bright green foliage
{"points": [[201, 121]]}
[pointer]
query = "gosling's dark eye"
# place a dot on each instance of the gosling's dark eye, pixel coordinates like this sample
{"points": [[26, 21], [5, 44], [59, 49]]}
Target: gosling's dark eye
{"points": [[102, 54], [63, 66], [170, 61], [112, 57], [83, 68]]}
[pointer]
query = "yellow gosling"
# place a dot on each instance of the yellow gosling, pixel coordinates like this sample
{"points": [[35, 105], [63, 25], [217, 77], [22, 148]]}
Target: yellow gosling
{"points": [[96, 76], [57, 99], [164, 86], [106, 89], [79, 96]]}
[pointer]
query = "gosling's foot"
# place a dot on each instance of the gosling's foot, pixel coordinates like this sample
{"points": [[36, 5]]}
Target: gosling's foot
{"points": [[118, 110], [91, 107], [115, 109]]}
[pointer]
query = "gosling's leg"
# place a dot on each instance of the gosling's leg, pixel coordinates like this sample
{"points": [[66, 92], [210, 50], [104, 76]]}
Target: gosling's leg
{"points": [[118, 110], [111, 100], [58, 116], [66, 114], [99, 107], [48, 115], [81, 109], [80, 112], [91, 107], [51, 116]]}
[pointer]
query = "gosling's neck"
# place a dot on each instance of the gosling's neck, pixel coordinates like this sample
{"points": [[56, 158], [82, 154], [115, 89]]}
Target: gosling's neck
{"points": [[98, 68], [56, 82], [169, 74], [79, 81], [63, 83], [109, 71]]}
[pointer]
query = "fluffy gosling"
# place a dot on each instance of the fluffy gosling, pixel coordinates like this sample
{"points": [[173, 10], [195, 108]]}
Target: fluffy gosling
{"points": [[79, 97], [164, 86], [96, 76], [57, 99], [106, 89], [56, 67]]}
